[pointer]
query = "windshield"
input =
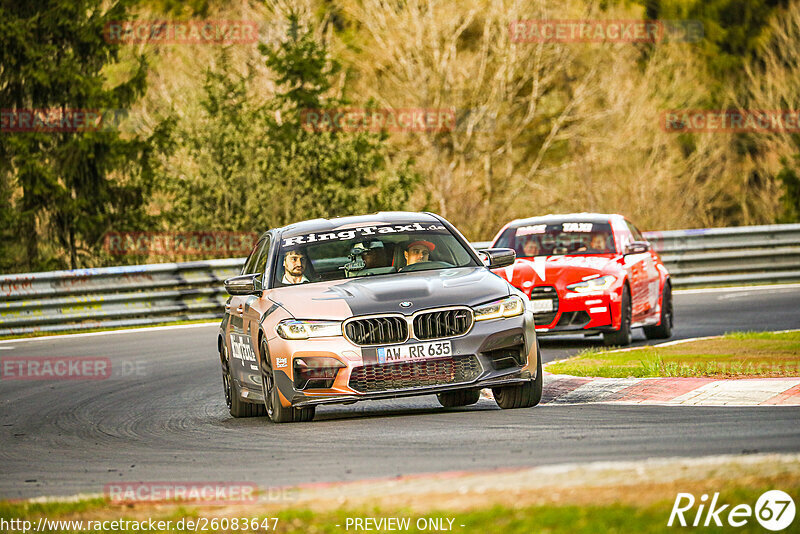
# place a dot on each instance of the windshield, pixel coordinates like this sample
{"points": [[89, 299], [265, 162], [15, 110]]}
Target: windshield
{"points": [[368, 251], [559, 239]]}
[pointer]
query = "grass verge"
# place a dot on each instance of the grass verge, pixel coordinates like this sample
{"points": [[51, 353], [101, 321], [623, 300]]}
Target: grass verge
{"points": [[508, 519], [592, 497], [733, 355]]}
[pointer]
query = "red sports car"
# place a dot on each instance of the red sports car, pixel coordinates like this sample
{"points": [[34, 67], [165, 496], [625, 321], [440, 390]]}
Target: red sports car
{"points": [[589, 273]]}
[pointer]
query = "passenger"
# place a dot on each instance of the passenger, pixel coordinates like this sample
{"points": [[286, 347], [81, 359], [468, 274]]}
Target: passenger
{"points": [[531, 247], [294, 267]]}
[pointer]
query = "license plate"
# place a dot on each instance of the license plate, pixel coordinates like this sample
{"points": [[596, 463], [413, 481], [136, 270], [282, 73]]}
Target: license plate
{"points": [[542, 305], [418, 351]]}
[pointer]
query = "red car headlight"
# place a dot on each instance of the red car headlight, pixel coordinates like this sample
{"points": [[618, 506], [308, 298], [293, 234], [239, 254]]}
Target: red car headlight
{"points": [[595, 284]]}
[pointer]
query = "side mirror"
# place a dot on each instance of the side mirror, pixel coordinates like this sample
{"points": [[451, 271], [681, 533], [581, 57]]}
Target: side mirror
{"points": [[637, 247], [494, 258], [245, 284]]}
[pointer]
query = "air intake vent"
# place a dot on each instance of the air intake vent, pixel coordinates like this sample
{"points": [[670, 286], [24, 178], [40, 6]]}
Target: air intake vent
{"points": [[578, 318], [388, 377], [442, 323], [377, 330]]}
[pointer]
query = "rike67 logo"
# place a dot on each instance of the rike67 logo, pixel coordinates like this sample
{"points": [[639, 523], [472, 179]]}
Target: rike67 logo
{"points": [[774, 510]]}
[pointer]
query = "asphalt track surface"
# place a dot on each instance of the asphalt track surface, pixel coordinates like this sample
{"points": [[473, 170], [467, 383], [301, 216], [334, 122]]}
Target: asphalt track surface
{"points": [[161, 417]]}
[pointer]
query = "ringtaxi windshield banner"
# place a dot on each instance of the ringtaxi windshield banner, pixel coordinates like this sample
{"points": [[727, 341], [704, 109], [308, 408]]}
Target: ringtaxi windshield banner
{"points": [[363, 231]]}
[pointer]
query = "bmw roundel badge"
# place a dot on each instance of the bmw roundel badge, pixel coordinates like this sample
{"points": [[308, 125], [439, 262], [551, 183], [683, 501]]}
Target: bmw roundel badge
{"points": [[406, 304]]}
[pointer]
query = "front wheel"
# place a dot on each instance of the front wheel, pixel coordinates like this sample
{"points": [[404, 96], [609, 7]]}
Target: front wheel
{"points": [[277, 412], [663, 330], [622, 337], [233, 398], [524, 396]]}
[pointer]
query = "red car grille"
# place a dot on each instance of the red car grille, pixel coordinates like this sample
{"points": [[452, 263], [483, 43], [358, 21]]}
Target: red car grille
{"points": [[547, 293], [387, 377]]}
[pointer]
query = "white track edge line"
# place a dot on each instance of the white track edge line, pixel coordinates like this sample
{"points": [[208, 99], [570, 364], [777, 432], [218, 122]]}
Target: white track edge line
{"points": [[111, 332], [734, 288]]}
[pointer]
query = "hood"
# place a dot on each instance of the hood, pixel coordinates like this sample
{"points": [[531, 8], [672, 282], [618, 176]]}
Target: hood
{"points": [[383, 294], [556, 270]]}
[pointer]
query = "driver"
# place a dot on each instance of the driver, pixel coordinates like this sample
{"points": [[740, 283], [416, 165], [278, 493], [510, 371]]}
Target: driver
{"points": [[597, 244], [418, 251]]}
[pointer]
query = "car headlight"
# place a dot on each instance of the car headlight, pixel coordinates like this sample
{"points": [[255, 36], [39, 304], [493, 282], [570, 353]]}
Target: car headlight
{"points": [[595, 284], [294, 329], [506, 307]]}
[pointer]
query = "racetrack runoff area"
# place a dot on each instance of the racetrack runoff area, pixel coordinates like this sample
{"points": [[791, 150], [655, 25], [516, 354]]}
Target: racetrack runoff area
{"points": [[679, 390]]}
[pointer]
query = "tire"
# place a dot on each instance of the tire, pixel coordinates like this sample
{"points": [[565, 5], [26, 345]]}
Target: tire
{"points": [[622, 337], [461, 397], [524, 396], [233, 398], [304, 415], [664, 329], [272, 403]]}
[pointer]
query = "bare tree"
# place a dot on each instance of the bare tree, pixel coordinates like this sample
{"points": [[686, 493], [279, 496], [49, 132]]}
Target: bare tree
{"points": [[545, 126]]}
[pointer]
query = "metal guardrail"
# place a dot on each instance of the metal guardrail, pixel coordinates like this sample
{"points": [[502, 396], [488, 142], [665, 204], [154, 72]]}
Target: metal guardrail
{"points": [[724, 256], [150, 294], [114, 296]]}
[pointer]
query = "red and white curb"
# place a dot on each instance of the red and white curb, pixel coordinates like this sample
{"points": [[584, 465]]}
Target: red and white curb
{"points": [[564, 389]]}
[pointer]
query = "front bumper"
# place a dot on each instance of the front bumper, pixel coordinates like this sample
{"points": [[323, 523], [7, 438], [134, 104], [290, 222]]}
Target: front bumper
{"points": [[503, 349], [584, 313], [515, 377]]}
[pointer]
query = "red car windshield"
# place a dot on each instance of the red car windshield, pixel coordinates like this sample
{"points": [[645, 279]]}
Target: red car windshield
{"points": [[566, 237]]}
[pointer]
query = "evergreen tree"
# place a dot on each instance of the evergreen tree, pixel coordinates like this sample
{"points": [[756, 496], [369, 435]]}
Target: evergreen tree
{"points": [[330, 172], [790, 199], [62, 190], [252, 166], [733, 29]]}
